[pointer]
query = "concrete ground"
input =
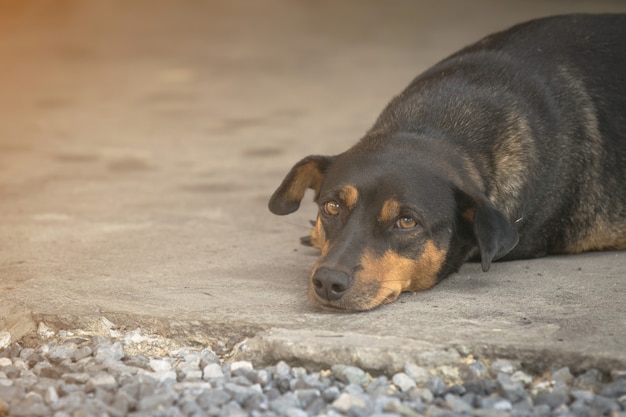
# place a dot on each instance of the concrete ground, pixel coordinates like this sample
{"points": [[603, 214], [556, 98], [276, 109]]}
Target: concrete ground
{"points": [[140, 141]]}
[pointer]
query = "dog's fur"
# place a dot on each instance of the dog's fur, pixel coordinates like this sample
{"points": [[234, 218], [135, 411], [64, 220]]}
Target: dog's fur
{"points": [[512, 148]]}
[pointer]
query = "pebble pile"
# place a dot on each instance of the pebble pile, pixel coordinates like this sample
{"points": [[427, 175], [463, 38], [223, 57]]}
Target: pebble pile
{"points": [[100, 376]]}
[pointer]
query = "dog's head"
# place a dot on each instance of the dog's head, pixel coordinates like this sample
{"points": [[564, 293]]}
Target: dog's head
{"points": [[389, 222]]}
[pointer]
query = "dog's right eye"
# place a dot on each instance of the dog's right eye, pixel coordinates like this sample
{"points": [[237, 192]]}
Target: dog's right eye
{"points": [[331, 208], [406, 222]]}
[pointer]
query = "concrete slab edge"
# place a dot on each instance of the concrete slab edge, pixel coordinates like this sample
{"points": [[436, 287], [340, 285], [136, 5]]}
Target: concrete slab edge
{"points": [[321, 349], [313, 349]]}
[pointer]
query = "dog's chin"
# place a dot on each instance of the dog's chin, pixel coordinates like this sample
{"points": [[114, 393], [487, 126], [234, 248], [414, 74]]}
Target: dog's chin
{"points": [[354, 303]]}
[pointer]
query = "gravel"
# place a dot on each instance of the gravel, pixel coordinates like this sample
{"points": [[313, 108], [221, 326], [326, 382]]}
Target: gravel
{"points": [[139, 376]]}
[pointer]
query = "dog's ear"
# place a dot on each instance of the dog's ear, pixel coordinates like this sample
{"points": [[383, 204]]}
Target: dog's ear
{"points": [[492, 231], [308, 173]]}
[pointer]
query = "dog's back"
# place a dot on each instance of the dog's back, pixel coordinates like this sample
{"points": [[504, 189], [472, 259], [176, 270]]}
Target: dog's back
{"points": [[541, 110]]}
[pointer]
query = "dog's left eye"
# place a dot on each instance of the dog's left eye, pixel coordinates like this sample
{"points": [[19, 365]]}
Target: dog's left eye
{"points": [[406, 222], [331, 208]]}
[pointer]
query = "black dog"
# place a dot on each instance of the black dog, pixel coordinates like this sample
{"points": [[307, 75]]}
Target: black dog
{"points": [[512, 148]]}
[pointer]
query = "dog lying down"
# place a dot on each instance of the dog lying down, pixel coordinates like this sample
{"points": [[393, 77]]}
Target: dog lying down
{"points": [[512, 148]]}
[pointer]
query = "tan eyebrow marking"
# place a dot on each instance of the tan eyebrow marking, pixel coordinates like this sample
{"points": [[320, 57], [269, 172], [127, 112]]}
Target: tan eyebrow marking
{"points": [[349, 195], [390, 211]]}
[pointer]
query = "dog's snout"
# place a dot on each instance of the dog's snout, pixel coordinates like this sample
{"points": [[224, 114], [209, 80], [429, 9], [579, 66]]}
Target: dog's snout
{"points": [[331, 284]]}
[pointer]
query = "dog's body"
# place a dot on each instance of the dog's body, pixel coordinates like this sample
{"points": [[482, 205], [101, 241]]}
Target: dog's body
{"points": [[514, 147]]}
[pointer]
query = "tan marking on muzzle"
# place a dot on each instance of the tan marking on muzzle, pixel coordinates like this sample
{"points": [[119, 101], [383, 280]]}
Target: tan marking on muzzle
{"points": [[381, 279], [318, 236]]}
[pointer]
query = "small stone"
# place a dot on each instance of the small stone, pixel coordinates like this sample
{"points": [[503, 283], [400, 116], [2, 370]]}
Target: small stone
{"points": [[75, 378], [350, 374], [50, 372], [403, 382], [396, 407], [307, 396], [331, 394], [5, 362], [50, 395], [491, 412], [522, 378], [296, 412], [423, 394], [208, 356], [122, 401], [316, 407], [434, 411], [101, 380], [436, 385], [542, 410], [380, 387], [613, 389], [504, 366], [562, 374], [457, 389], [160, 365], [509, 388], [307, 381], [263, 377], [417, 373], [192, 374], [482, 386], [240, 365], [32, 405], [298, 371], [282, 370], [552, 399], [213, 398], [162, 398], [456, 404], [347, 401], [604, 406], [105, 350], [165, 376], [496, 403], [588, 380], [81, 353], [284, 403], [579, 408], [69, 402], [240, 393], [477, 369], [211, 371], [11, 371], [59, 353], [582, 395], [35, 359], [448, 373]]}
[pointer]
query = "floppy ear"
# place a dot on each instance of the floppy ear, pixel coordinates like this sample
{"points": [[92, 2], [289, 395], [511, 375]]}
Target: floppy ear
{"points": [[492, 231], [308, 173]]}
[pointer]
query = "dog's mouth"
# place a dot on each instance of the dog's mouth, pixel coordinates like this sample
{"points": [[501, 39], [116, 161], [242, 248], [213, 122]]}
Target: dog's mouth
{"points": [[361, 297]]}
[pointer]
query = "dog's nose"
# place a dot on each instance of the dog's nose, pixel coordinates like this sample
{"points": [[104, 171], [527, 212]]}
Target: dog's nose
{"points": [[330, 284]]}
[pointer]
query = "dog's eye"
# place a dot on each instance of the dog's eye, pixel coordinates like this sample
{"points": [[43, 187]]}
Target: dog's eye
{"points": [[406, 222], [331, 208]]}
